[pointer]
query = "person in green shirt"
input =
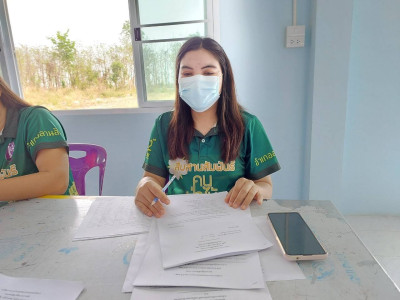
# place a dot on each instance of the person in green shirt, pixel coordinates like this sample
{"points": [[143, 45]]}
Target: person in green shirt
{"points": [[33, 150], [208, 137]]}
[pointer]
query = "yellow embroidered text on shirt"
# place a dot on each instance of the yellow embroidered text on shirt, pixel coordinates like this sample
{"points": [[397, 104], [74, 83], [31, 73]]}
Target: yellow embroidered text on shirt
{"points": [[207, 167], [10, 172]]}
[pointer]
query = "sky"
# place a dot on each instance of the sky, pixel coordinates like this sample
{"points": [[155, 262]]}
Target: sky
{"points": [[89, 21]]}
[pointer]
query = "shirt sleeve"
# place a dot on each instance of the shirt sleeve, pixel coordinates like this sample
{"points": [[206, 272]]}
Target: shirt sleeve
{"points": [[154, 158], [43, 131], [260, 157]]}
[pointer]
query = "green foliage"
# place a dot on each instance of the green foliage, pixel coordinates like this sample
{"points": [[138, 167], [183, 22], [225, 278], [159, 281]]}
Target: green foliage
{"points": [[99, 71], [126, 34], [117, 70], [64, 48]]}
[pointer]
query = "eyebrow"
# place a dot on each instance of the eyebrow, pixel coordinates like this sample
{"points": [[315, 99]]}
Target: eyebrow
{"points": [[209, 66], [205, 67]]}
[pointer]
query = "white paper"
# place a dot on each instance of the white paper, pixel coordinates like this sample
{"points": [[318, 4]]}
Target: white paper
{"points": [[110, 217], [200, 227], [275, 267], [236, 272], [138, 254], [199, 294], [13, 288]]}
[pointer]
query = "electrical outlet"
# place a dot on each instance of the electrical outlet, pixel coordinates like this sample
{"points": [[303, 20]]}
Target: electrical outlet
{"points": [[295, 36]]}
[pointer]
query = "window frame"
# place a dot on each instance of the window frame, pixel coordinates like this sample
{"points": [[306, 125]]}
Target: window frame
{"points": [[8, 60], [10, 72], [137, 45]]}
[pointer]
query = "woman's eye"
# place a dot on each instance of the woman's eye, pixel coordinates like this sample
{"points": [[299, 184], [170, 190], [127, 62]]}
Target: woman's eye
{"points": [[209, 73], [186, 74]]}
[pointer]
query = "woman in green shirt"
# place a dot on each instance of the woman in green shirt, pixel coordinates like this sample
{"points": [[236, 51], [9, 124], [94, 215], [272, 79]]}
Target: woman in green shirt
{"points": [[33, 150], [218, 145]]}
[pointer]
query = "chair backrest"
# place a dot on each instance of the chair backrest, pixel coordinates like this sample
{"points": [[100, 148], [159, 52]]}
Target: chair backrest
{"points": [[96, 156]]}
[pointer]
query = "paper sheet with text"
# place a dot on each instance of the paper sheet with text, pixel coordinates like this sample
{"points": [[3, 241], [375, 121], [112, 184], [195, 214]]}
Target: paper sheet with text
{"points": [[198, 293], [112, 216], [16, 288], [216, 273], [274, 266], [199, 227]]}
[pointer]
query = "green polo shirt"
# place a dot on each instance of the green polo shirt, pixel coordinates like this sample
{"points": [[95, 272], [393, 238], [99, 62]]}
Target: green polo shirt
{"points": [[26, 132], [207, 173]]}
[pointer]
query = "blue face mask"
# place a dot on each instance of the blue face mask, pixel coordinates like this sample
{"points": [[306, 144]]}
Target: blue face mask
{"points": [[199, 92]]}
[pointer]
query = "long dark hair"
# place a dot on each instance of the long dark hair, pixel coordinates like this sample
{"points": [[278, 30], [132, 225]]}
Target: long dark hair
{"points": [[230, 120], [10, 99]]}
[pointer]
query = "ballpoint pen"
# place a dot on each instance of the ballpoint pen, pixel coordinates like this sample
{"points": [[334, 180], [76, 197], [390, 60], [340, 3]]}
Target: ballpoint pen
{"points": [[177, 167], [164, 189]]}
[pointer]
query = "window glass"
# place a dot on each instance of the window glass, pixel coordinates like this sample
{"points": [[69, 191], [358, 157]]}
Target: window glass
{"points": [[173, 31], [74, 56], [159, 69], [159, 57], [162, 11], [82, 57]]}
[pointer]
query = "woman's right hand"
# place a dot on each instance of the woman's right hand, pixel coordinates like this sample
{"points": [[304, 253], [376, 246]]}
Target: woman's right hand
{"points": [[149, 188]]}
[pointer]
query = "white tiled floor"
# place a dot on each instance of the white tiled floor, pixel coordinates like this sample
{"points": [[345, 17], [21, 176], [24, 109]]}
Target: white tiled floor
{"points": [[381, 235]]}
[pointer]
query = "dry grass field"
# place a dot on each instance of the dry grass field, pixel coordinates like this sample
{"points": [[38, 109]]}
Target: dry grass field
{"points": [[92, 98]]}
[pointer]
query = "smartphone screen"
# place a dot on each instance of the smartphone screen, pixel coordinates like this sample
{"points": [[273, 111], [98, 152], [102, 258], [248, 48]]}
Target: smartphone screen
{"points": [[295, 236]]}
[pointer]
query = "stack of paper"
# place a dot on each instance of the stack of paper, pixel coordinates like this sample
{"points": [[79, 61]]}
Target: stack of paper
{"points": [[200, 227], [202, 242], [217, 273], [110, 217]]}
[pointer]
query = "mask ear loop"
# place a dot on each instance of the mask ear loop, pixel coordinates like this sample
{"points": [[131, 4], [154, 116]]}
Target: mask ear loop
{"points": [[220, 83]]}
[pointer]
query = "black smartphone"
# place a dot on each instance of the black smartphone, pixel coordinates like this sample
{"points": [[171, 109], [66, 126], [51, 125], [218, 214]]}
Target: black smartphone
{"points": [[294, 237]]}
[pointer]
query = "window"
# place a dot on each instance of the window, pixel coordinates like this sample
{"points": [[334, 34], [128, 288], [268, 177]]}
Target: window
{"points": [[106, 54], [8, 65]]}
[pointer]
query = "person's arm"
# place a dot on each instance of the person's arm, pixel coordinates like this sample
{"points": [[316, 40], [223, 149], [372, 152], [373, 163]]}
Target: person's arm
{"points": [[52, 178], [246, 190], [148, 188]]}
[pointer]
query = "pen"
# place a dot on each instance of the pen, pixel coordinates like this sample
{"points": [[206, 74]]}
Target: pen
{"points": [[164, 189]]}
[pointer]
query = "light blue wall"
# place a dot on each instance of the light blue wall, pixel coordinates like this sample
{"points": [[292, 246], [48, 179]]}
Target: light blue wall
{"points": [[371, 165], [271, 80], [124, 136], [330, 108], [328, 98]]}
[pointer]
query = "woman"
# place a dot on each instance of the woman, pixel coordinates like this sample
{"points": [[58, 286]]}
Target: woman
{"points": [[224, 148], [33, 150]]}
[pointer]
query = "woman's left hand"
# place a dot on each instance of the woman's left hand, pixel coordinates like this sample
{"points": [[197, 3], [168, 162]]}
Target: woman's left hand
{"points": [[244, 191]]}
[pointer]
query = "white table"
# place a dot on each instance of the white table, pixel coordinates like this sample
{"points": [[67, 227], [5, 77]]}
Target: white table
{"points": [[36, 241]]}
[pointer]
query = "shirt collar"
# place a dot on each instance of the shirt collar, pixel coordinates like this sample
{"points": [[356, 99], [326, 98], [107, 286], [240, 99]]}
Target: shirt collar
{"points": [[213, 131], [11, 127]]}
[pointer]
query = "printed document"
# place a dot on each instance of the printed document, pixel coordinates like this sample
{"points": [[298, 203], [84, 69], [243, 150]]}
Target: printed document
{"points": [[13, 288], [216, 273], [199, 227], [112, 216], [274, 266], [198, 293]]}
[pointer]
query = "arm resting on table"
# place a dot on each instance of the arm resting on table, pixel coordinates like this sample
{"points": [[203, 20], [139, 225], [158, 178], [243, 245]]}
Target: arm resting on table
{"points": [[52, 178]]}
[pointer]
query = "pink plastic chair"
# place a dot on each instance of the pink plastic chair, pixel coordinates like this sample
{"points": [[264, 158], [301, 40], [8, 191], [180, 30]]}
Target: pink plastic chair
{"points": [[96, 156]]}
